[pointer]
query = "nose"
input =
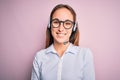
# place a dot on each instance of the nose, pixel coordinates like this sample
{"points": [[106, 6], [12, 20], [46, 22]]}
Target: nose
{"points": [[61, 27]]}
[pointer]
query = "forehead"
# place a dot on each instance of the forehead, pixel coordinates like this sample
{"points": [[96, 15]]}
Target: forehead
{"points": [[63, 14]]}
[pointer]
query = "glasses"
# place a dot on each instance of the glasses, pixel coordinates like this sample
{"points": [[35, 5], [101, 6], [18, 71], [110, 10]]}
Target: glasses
{"points": [[67, 24]]}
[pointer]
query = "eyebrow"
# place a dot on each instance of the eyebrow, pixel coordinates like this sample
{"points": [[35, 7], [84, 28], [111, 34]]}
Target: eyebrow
{"points": [[62, 20]]}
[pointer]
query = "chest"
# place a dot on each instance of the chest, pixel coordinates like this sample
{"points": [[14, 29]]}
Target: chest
{"points": [[70, 67]]}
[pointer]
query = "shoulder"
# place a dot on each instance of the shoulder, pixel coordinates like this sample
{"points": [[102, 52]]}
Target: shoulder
{"points": [[40, 54], [86, 54], [83, 52]]}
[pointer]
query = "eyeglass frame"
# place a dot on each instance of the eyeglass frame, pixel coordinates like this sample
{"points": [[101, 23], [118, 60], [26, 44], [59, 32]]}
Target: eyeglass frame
{"points": [[60, 21]]}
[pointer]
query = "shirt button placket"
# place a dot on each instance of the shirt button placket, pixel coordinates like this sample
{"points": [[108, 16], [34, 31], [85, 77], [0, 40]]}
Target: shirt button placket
{"points": [[59, 68]]}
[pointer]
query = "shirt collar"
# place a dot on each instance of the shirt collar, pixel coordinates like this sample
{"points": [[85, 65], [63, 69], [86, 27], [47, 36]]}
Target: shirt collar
{"points": [[51, 49], [71, 49]]}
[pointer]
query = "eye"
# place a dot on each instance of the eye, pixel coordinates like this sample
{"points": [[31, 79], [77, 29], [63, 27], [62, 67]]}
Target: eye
{"points": [[67, 23], [55, 23]]}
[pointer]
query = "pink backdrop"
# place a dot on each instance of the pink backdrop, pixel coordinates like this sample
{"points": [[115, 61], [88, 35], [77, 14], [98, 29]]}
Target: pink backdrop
{"points": [[22, 34]]}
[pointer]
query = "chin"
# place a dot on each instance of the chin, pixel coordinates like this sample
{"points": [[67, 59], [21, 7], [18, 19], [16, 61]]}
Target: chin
{"points": [[61, 41]]}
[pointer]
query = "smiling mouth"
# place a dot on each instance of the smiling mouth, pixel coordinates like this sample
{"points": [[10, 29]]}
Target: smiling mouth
{"points": [[61, 34]]}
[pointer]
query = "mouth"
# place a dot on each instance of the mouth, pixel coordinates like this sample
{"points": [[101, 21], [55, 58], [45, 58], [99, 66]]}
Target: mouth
{"points": [[61, 34]]}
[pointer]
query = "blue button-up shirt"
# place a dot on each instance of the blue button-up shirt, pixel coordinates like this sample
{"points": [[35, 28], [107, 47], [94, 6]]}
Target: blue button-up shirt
{"points": [[75, 64]]}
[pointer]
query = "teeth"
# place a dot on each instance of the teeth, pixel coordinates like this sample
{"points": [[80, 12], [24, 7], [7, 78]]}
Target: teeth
{"points": [[61, 34]]}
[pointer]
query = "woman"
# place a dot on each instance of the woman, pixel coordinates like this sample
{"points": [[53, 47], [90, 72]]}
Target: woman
{"points": [[62, 59]]}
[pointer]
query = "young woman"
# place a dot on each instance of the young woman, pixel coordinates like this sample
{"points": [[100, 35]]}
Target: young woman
{"points": [[63, 59]]}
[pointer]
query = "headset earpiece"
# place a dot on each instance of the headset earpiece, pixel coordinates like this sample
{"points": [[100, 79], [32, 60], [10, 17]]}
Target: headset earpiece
{"points": [[49, 25], [75, 26]]}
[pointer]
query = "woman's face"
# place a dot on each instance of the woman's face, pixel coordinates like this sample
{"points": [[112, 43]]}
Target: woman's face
{"points": [[60, 34]]}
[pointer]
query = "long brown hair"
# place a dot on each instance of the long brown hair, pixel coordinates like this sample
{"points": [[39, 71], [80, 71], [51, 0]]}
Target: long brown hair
{"points": [[74, 38]]}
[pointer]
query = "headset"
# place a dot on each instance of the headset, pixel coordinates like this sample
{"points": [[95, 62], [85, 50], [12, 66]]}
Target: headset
{"points": [[74, 27]]}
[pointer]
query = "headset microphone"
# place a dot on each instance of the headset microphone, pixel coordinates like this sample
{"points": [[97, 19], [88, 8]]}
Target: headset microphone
{"points": [[65, 42]]}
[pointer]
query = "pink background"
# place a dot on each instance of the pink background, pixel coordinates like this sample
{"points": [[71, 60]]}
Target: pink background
{"points": [[22, 33]]}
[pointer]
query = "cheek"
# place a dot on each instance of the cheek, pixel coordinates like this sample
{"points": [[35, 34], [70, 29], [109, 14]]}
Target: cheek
{"points": [[69, 32], [53, 31]]}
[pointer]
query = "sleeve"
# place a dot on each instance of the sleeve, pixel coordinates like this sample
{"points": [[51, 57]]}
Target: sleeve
{"points": [[36, 70], [89, 73]]}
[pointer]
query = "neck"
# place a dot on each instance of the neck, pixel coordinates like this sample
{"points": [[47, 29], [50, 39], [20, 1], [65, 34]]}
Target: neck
{"points": [[61, 47]]}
